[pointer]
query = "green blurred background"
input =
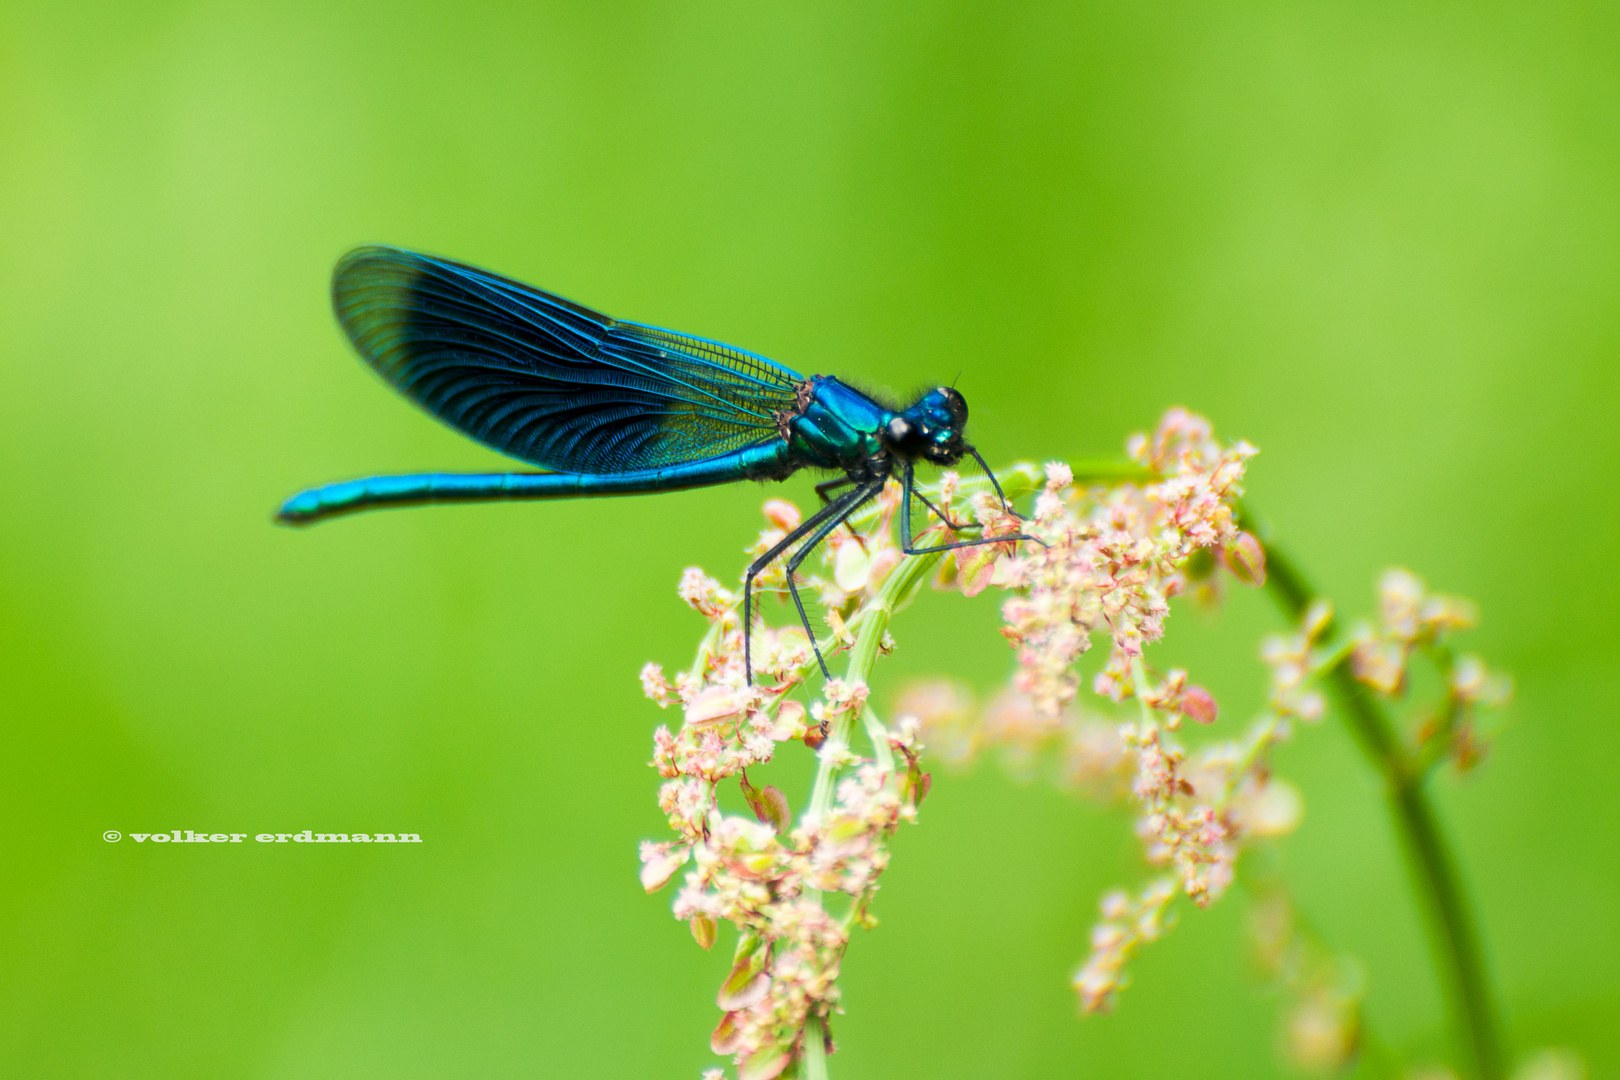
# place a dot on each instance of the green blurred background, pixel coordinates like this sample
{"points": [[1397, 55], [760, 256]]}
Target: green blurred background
{"points": [[1376, 239]]}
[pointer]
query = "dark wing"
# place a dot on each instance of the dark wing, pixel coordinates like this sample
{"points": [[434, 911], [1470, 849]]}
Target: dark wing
{"points": [[546, 380]]}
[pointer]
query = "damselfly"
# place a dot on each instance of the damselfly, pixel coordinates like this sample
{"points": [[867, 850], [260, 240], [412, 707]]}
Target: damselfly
{"points": [[617, 408]]}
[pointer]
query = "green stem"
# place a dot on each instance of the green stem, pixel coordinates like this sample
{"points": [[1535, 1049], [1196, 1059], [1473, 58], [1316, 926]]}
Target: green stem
{"points": [[1110, 471], [882, 756], [874, 622], [1434, 870], [815, 1050], [897, 587]]}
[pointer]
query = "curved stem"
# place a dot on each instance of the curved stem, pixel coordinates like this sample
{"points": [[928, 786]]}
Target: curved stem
{"points": [[1455, 933]]}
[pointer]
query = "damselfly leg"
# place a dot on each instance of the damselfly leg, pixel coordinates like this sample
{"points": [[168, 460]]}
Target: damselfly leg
{"points": [[829, 516], [997, 485], [832, 485], [814, 529], [949, 522], [907, 479], [804, 551]]}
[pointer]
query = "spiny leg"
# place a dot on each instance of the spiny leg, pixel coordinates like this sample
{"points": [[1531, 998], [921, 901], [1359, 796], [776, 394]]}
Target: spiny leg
{"points": [[995, 484], [909, 489], [908, 481], [809, 545], [833, 510], [945, 519], [905, 524], [759, 564], [831, 485]]}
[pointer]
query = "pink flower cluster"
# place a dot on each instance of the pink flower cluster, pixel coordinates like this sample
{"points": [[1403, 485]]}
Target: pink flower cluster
{"points": [[1193, 836], [1111, 556], [1413, 620], [765, 874], [1128, 923], [1199, 810], [1410, 617], [1112, 559], [1113, 549]]}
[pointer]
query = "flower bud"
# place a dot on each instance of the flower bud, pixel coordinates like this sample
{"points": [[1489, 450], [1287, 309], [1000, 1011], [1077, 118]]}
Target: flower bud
{"points": [[766, 1063], [976, 566], [659, 863], [781, 513], [852, 566], [1245, 559], [772, 808], [1322, 1032], [716, 703], [748, 982], [1199, 704], [789, 721], [1317, 618], [704, 931], [1380, 663], [727, 1036], [1275, 809]]}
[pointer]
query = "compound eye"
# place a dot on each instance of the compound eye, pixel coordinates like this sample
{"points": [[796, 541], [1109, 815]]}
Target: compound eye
{"points": [[899, 429], [956, 403]]}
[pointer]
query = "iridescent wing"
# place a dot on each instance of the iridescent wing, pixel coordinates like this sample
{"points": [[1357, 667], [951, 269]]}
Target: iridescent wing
{"points": [[546, 380]]}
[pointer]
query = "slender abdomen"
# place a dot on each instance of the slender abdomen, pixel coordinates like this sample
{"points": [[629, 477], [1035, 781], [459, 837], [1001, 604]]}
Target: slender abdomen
{"points": [[766, 462]]}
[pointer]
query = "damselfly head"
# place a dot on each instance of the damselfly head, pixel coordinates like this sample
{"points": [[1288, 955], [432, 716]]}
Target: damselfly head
{"points": [[931, 429]]}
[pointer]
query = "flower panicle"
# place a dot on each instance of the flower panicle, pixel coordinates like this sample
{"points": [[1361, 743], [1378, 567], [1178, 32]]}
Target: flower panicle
{"points": [[1110, 559], [1128, 922], [1110, 551], [767, 874], [1414, 621]]}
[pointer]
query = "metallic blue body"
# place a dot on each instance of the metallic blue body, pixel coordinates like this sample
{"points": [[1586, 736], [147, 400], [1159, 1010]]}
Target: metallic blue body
{"points": [[839, 427], [419, 489], [615, 408], [610, 407]]}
